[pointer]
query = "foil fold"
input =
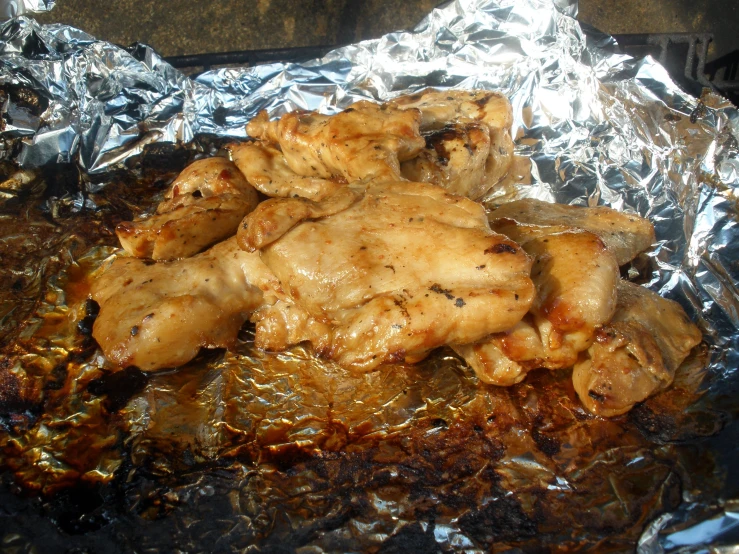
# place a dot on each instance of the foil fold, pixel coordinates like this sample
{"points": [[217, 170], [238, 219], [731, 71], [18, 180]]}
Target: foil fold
{"points": [[14, 8], [247, 450]]}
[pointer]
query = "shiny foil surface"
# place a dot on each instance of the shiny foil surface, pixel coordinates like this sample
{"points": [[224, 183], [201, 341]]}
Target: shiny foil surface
{"points": [[245, 451], [14, 8]]}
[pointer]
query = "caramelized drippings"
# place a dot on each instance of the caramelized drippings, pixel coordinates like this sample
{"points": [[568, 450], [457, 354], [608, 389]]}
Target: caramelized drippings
{"points": [[404, 450]]}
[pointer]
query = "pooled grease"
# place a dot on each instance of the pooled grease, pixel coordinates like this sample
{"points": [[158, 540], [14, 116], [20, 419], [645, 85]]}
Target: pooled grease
{"points": [[301, 452]]}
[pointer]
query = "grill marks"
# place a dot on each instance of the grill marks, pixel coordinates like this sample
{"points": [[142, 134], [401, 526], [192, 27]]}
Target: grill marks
{"points": [[502, 248], [458, 301], [438, 141]]}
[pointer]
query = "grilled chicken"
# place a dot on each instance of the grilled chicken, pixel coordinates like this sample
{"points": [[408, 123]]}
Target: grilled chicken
{"points": [[204, 205], [577, 252], [454, 158], [371, 250], [204, 179], [440, 109], [625, 235], [277, 216], [266, 169], [575, 278], [365, 142], [158, 315], [636, 354], [466, 148], [403, 269]]}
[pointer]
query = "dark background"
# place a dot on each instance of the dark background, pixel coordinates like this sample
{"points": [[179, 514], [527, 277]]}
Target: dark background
{"points": [[176, 27]]}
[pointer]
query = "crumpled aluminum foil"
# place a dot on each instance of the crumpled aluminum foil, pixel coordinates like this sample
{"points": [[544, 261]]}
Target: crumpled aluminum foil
{"points": [[238, 449], [14, 8]]}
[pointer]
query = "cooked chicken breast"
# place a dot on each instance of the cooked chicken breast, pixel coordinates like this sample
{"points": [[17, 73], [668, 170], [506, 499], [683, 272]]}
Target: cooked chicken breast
{"points": [[266, 169], [636, 354], [364, 142], [206, 178], [204, 205], [441, 108], [186, 230], [454, 158], [159, 315], [372, 250], [625, 235], [575, 277], [405, 268]]}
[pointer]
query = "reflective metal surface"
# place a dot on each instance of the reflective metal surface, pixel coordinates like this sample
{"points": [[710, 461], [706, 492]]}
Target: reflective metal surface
{"points": [[14, 8], [250, 450]]}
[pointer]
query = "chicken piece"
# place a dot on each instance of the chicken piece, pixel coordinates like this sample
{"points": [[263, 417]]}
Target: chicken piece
{"points": [[266, 169], [575, 277], [364, 142], [277, 216], [579, 277], [204, 205], [625, 235], [159, 315], [404, 269], [440, 108], [185, 230], [636, 354], [454, 158], [205, 178], [500, 159]]}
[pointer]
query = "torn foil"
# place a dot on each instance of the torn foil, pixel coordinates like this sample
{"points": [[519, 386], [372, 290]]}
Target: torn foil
{"points": [[243, 450]]}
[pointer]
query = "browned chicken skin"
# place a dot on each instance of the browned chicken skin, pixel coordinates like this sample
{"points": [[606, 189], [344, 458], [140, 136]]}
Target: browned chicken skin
{"points": [[454, 158], [442, 108]]}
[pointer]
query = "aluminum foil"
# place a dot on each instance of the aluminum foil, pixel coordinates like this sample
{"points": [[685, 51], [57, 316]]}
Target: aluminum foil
{"points": [[242, 451], [14, 8]]}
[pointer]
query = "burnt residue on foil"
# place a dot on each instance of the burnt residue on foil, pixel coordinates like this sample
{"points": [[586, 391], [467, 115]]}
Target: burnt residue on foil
{"points": [[281, 452], [244, 449]]}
